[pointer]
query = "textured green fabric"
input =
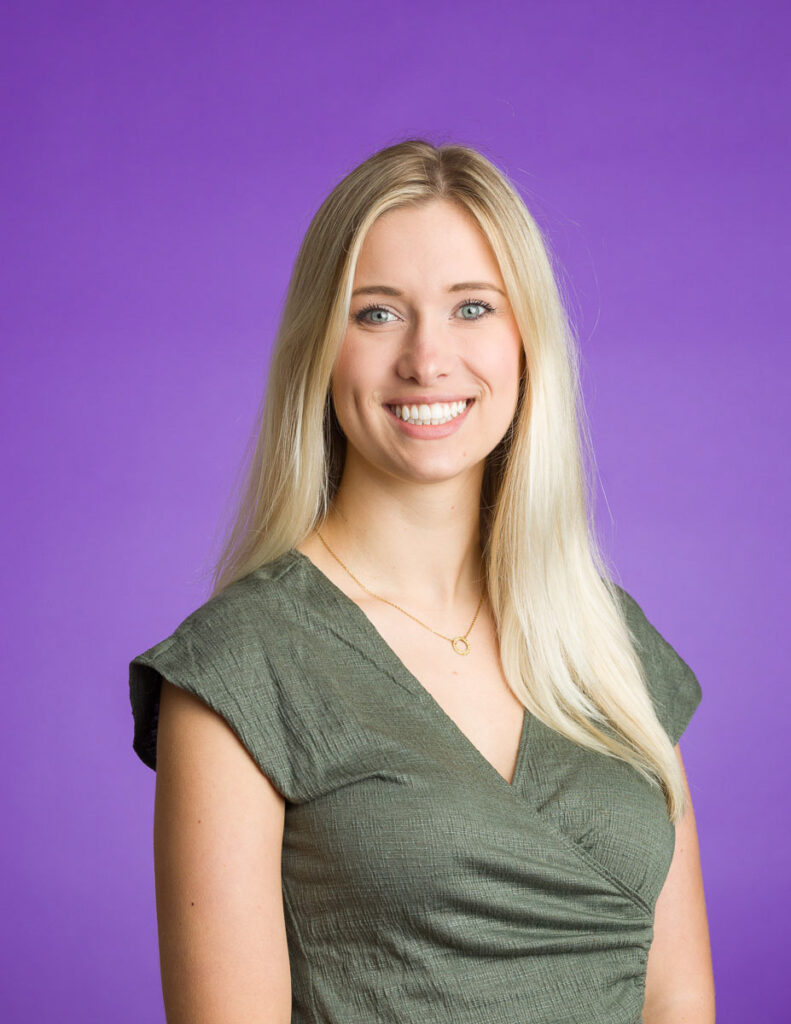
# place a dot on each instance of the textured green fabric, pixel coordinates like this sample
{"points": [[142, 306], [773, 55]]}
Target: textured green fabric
{"points": [[419, 885]]}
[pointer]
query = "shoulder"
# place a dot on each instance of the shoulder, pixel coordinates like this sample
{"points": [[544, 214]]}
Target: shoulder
{"points": [[672, 684], [635, 616], [225, 652], [252, 611], [647, 638]]}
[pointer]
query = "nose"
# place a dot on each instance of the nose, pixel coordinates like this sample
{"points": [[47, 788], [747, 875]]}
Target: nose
{"points": [[427, 354]]}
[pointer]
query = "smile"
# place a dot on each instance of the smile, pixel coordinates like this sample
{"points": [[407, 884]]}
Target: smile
{"points": [[430, 422], [430, 415]]}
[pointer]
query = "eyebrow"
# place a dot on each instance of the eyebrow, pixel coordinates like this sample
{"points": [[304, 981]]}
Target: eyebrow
{"points": [[463, 286]]}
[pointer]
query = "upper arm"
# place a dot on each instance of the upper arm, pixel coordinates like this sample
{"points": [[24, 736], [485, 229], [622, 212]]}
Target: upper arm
{"points": [[218, 832], [679, 972]]}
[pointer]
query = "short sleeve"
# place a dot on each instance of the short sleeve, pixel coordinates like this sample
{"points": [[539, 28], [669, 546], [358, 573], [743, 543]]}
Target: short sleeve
{"points": [[673, 686], [219, 654]]}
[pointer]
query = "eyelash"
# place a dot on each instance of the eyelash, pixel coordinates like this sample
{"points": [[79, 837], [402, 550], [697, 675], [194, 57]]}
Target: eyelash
{"points": [[359, 316]]}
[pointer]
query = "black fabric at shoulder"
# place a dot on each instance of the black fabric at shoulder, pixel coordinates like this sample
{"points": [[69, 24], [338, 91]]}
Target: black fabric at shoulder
{"points": [[219, 654], [674, 688]]}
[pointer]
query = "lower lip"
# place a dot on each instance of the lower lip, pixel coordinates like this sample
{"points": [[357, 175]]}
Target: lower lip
{"points": [[430, 433]]}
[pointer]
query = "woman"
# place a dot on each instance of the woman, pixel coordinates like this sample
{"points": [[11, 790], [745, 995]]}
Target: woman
{"points": [[417, 756]]}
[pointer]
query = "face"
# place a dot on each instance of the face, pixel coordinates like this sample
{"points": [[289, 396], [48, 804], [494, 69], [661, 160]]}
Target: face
{"points": [[430, 332]]}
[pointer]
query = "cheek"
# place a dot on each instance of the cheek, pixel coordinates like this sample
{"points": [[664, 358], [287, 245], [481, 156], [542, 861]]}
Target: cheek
{"points": [[360, 357], [355, 376], [506, 364], [346, 371]]}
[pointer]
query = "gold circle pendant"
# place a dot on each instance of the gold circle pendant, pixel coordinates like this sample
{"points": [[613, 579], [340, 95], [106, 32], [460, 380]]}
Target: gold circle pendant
{"points": [[460, 645]]}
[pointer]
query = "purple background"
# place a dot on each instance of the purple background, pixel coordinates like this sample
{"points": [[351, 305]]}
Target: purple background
{"points": [[161, 162]]}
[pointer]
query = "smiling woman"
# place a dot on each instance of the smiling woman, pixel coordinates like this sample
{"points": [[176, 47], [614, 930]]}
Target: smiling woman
{"points": [[417, 753]]}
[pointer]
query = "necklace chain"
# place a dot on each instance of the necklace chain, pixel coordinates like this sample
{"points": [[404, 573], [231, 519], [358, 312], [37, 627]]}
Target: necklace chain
{"points": [[460, 644]]}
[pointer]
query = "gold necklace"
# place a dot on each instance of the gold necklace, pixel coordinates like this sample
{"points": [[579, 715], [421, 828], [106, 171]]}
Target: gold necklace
{"points": [[460, 644]]}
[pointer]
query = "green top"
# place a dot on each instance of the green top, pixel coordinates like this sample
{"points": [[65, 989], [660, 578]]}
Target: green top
{"points": [[418, 884]]}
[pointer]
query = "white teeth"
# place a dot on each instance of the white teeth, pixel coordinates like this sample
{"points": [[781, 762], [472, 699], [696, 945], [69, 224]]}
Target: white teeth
{"points": [[439, 412]]}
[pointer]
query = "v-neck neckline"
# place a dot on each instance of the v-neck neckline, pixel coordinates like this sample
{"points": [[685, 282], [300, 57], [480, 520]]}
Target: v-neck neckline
{"points": [[395, 667]]}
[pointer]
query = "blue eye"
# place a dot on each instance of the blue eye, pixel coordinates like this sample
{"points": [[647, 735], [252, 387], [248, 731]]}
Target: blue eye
{"points": [[360, 316], [481, 305]]}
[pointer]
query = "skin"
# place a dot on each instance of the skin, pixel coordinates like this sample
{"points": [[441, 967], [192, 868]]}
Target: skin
{"points": [[218, 843], [679, 987], [407, 508]]}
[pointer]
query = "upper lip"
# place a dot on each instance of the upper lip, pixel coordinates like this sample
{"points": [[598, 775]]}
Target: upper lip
{"points": [[429, 399]]}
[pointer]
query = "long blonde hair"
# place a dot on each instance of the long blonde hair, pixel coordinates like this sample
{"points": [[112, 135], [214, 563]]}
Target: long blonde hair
{"points": [[564, 640]]}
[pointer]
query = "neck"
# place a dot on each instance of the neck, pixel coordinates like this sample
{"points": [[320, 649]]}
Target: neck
{"points": [[415, 542]]}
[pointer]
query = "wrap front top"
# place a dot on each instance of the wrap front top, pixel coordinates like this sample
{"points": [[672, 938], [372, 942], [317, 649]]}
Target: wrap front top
{"points": [[418, 884]]}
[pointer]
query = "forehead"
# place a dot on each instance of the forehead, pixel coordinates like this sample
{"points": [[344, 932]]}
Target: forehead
{"points": [[424, 243]]}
